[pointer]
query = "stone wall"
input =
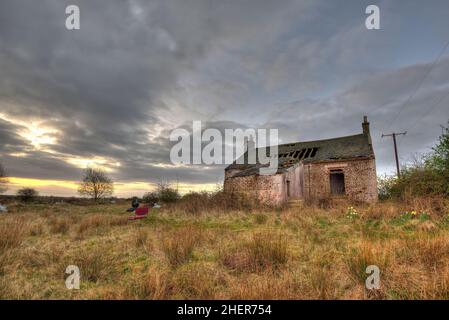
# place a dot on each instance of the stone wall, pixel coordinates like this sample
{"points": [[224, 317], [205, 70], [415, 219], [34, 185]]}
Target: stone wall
{"points": [[360, 179], [266, 189], [309, 181]]}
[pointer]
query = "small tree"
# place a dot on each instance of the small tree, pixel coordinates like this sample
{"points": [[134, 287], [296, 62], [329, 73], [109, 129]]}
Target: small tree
{"points": [[425, 175], [96, 184], [27, 194], [150, 197], [167, 193], [439, 160], [3, 179]]}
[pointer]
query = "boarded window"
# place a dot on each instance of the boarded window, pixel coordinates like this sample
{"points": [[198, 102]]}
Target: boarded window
{"points": [[337, 180]]}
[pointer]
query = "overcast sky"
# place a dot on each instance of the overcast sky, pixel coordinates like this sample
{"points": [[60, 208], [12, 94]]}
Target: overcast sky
{"points": [[110, 93]]}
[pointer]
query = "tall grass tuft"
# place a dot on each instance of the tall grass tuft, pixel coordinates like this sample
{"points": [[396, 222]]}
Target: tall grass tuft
{"points": [[178, 247], [154, 284], [59, 225], [12, 233], [196, 203], [265, 250], [268, 250], [96, 263], [364, 255]]}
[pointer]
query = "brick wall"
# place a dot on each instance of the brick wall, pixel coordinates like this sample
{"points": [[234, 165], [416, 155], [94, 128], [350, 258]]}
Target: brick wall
{"points": [[266, 189], [360, 182], [360, 179]]}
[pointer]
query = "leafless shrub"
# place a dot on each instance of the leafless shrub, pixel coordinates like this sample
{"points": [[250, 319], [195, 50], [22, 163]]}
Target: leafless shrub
{"points": [[3, 179], [27, 194], [96, 184]]}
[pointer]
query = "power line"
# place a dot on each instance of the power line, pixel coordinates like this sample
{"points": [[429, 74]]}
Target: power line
{"points": [[429, 111], [420, 83]]}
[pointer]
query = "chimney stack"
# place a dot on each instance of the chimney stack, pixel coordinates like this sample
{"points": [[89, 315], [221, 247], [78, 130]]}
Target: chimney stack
{"points": [[365, 125], [250, 149], [249, 143]]}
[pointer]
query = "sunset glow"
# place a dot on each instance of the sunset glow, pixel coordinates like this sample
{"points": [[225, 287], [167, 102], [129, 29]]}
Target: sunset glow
{"points": [[66, 188]]}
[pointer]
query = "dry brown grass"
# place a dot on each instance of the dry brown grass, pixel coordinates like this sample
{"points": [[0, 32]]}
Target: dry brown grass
{"points": [[433, 253], [97, 263], [59, 225], [199, 280], [236, 259], [95, 223], [364, 255], [268, 250], [12, 232], [267, 286], [46, 256], [92, 222], [197, 203], [153, 284], [265, 250], [178, 246], [310, 252], [142, 240]]}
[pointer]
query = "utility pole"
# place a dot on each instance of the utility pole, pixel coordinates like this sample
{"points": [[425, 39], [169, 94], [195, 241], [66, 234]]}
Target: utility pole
{"points": [[394, 134]]}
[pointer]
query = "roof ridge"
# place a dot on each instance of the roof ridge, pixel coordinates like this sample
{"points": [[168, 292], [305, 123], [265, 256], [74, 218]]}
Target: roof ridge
{"points": [[312, 141]]}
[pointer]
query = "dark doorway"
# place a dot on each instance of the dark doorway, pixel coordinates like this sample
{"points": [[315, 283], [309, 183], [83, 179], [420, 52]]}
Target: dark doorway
{"points": [[337, 179], [288, 188]]}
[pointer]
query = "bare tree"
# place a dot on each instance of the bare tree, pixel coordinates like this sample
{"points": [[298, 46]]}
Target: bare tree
{"points": [[96, 184], [3, 179], [27, 194]]}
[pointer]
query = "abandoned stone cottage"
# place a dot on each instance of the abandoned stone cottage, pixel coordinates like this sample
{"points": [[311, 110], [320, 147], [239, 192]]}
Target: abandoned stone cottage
{"points": [[342, 167]]}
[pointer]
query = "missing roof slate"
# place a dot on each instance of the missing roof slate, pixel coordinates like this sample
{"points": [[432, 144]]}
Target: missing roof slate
{"points": [[350, 147]]}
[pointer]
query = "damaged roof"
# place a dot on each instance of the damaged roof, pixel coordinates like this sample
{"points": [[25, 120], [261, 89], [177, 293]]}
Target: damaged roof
{"points": [[344, 148]]}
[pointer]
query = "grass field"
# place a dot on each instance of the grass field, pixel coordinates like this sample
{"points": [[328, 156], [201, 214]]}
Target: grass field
{"points": [[307, 252]]}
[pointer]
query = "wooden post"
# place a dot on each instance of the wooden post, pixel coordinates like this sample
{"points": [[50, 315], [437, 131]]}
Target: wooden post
{"points": [[394, 134]]}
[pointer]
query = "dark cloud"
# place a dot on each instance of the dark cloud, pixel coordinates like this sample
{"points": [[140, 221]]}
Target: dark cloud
{"points": [[136, 70], [11, 141]]}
